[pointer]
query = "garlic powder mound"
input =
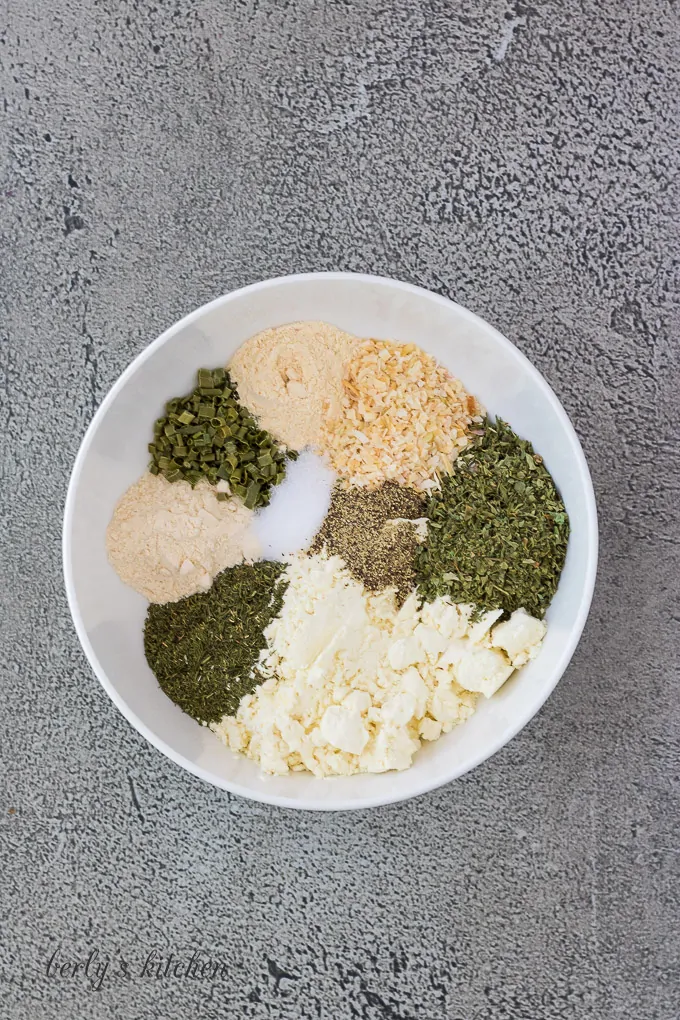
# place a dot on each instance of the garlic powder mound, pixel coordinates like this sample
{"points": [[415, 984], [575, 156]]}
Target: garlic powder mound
{"points": [[167, 540], [290, 378]]}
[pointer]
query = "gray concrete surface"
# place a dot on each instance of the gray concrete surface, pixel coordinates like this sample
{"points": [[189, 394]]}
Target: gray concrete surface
{"points": [[520, 158]]}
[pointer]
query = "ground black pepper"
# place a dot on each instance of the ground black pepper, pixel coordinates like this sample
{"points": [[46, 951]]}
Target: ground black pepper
{"points": [[357, 527], [203, 648]]}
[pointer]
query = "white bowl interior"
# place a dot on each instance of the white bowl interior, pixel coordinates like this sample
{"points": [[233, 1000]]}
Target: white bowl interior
{"points": [[109, 616]]}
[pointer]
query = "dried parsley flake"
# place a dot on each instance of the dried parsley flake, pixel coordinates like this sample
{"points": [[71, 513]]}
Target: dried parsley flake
{"points": [[498, 530]]}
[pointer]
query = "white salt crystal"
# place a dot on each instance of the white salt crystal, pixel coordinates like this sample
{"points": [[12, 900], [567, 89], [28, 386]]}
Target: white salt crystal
{"points": [[297, 509]]}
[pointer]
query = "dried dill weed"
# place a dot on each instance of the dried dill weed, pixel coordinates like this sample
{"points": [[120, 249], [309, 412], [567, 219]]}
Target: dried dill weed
{"points": [[498, 529], [203, 648], [376, 533], [404, 418]]}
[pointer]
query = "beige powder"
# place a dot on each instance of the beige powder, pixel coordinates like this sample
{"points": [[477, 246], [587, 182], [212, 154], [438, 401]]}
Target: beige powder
{"points": [[167, 540], [290, 378]]}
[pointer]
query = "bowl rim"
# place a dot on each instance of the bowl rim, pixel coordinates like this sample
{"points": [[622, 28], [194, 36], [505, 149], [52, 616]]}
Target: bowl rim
{"points": [[320, 802]]}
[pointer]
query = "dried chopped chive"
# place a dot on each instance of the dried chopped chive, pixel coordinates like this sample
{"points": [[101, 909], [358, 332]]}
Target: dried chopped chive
{"points": [[252, 495], [217, 438]]}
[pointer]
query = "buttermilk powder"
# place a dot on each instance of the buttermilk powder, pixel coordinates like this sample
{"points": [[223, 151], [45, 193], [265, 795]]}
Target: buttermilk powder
{"points": [[353, 685]]}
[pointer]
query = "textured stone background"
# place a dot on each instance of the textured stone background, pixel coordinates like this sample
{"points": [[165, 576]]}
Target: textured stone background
{"points": [[522, 159]]}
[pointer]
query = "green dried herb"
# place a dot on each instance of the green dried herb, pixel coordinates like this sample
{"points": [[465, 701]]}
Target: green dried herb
{"points": [[203, 648], [208, 434], [498, 530], [357, 527]]}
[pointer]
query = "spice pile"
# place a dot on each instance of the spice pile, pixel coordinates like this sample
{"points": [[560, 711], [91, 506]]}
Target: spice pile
{"points": [[167, 540], [203, 649], [441, 545], [498, 529], [208, 434], [403, 418], [376, 533], [291, 378]]}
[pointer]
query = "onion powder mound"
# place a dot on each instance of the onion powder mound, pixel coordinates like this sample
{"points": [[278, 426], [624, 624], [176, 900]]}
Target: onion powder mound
{"points": [[167, 540], [290, 378]]}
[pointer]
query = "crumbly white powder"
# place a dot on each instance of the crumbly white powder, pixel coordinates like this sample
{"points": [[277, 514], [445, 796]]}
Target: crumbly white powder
{"points": [[167, 540], [355, 686], [290, 378]]}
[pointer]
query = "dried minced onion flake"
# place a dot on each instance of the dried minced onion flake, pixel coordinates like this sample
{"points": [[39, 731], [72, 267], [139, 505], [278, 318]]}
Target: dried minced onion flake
{"points": [[404, 418]]}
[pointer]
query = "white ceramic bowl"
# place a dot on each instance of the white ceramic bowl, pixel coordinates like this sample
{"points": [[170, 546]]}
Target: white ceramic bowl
{"points": [[109, 617]]}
